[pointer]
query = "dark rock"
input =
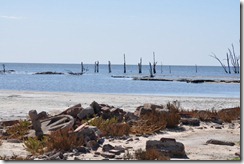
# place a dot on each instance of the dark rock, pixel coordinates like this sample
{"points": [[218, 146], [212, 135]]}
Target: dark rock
{"points": [[116, 152], [96, 107], [218, 127], [101, 141], [108, 155], [168, 148], [107, 147], [219, 142], [130, 139], [119, 148], [49, 73], [73, 111], [36, 123], [85, 113], [163, 139], [190, 121], [129, 116], [93, 145], [42, 115], [89, 133], [82, 149], [13, 140]]}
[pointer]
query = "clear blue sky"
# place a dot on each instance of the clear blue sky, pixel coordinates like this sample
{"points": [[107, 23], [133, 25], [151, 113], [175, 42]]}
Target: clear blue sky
{"points": [[180, 32]]}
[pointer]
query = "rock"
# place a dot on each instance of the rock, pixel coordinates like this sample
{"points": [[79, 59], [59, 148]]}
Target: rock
{"points": [[238, 154], [119, 148], [130, 139], [101, 141], [73, 111], [92, 144], [129, 116], [57, 156], [108, 155], [85, 113], [116, 152], [190, 121], [42, 115], [168, 147], [13, 140], [82, 149], [107, 147], [9, 123], [89, 133], [219, 142], [36, 123], [218, 127], [96, 107], [163, 139]]}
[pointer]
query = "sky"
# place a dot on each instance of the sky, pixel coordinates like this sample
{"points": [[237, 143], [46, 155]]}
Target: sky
{"points": [[180, 32]]}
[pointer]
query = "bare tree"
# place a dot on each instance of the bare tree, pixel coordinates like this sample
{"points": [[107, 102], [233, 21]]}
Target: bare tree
{"points": [[223, 66], [154, 63]]}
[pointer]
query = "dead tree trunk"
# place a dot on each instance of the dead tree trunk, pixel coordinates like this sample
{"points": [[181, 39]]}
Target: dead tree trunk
{"points": [[97, 66], [4, 68], [140, 66], [109, 67], [161, 67], [124, 64], [196, 68], [154, 63], [228, 63], [95, 69], [150, 69], [170, 69], [82, 67]]}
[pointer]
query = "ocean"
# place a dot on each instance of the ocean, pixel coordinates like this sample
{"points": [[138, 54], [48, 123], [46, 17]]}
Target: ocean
{"points": [[25, 79]]}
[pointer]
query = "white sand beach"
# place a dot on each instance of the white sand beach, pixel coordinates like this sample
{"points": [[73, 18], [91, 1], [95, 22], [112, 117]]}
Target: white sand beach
{"points": [[16, 104]]}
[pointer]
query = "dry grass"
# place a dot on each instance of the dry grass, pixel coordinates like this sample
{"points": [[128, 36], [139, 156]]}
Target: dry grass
{"points": [[149, 123], [173, 117], [229, 114], [110, 127], [58, 140], [14, 157], [226, 115], [151, 154], [35, 146], [18, 131], [62, 140]]}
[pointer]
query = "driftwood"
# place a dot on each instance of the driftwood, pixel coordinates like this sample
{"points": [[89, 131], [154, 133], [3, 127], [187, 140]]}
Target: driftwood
{"points": [[219, 142]]}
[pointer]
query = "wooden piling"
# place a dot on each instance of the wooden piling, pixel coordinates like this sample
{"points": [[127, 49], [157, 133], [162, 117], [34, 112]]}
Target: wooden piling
{"points": [[150, 69], [154, 63], [124, 64], [140, 66], [81, 67], [109, 67]]}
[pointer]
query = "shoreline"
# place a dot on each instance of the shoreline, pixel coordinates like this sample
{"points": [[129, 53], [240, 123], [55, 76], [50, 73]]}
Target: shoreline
{"points": [[16, 104]]}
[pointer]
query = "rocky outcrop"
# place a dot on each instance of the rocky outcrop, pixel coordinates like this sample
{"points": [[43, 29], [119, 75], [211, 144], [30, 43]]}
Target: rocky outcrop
{"points": [[168, 147]]}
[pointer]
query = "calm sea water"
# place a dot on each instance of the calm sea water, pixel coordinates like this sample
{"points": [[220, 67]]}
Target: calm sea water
{"points": [[24, 79]]}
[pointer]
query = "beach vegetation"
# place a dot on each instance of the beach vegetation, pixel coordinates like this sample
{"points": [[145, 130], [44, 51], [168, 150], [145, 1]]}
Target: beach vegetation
{"points": [[63, 141], [230, 114], [149, 123], [110, 127], [173, 117], [57, 141], [19, 130], [226, 115], [35, 146]]}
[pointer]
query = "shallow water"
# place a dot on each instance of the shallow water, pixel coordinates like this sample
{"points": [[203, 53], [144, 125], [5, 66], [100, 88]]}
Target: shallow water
{"points": [[24, 79]]}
